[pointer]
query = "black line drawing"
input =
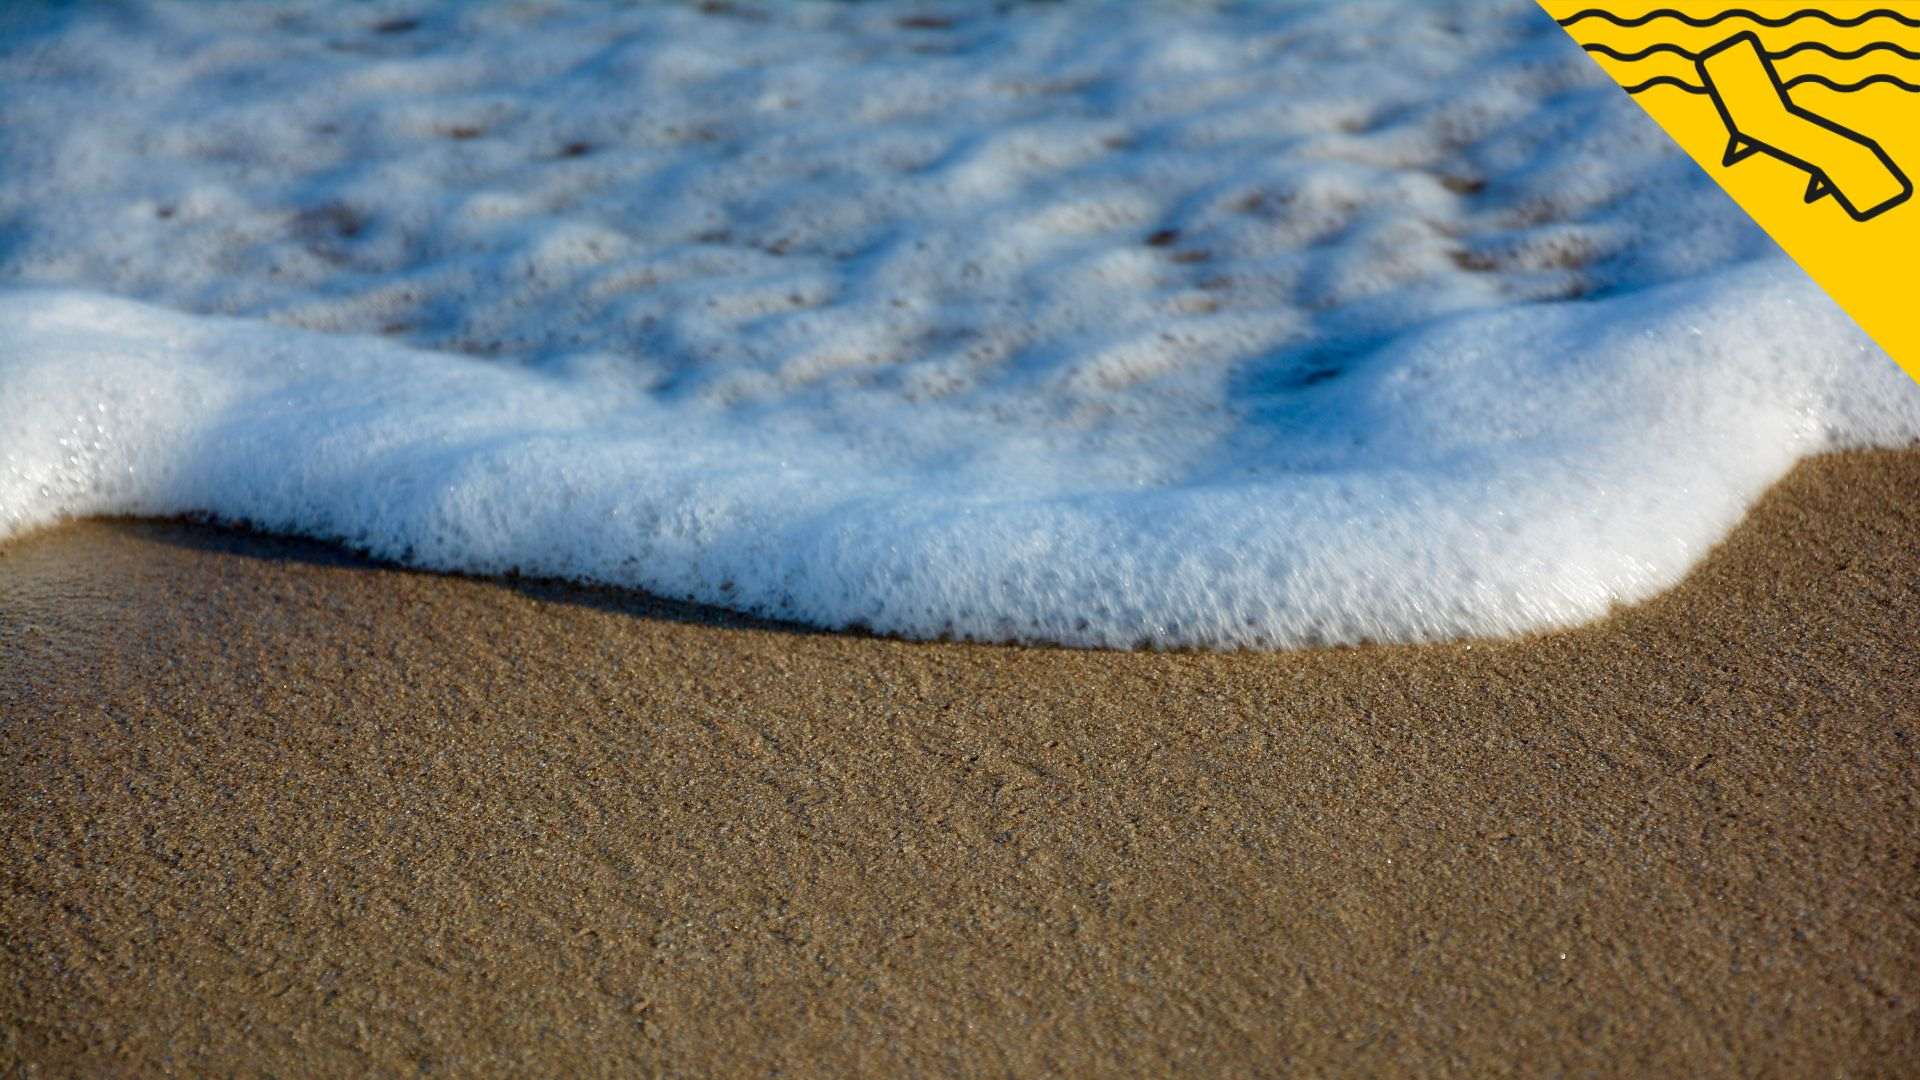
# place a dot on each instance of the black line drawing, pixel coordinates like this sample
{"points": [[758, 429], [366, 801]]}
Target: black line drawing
{"points": [[1754, 104], [1839, 161], [1740, 13], [1848, 88], [1779, 54], [1798, 80], [1666, 80]]}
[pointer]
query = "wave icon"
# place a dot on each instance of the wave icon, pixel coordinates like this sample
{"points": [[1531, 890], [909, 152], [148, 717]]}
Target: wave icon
{"points": [[1740, 13], [1809, 62], [1751, 64], [1719, 18]]}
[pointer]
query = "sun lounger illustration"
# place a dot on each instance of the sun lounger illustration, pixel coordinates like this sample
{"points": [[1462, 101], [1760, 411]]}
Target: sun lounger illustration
{"points": [[1761, 119]]}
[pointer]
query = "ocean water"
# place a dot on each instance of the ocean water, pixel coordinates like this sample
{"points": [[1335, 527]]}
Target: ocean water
{"points": [[1108, 324]]}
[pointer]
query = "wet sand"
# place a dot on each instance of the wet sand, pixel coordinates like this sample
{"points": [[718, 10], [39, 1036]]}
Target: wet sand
{"points": [[270, 809]]}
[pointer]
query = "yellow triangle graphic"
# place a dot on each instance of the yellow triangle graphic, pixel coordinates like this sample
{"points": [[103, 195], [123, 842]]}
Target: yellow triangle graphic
{"points": [[1807, 112]]}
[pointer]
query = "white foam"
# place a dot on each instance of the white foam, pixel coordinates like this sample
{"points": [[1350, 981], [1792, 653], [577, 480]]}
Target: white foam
{"points": [[823, 316]]}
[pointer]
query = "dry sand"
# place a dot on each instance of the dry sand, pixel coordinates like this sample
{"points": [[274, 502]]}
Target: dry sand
{"points": [[272, 810]]}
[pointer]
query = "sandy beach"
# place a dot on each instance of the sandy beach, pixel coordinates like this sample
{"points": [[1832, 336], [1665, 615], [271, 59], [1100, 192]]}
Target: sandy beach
{"points": [[1011, 365], [271, 809]]}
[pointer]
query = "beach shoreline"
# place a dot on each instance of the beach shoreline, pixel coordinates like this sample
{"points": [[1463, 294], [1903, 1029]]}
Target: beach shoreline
{"points": [[275, 808]]}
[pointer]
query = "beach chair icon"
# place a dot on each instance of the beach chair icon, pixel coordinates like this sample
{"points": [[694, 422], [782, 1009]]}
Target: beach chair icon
{"points": [[1761, 119]]}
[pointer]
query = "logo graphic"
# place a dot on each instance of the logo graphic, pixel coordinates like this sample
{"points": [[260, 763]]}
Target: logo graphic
{"points": [[1760, 118], [1807, 112]]}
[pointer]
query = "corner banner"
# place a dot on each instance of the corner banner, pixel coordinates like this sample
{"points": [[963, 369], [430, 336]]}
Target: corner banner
{"points": [[1807, 112]]}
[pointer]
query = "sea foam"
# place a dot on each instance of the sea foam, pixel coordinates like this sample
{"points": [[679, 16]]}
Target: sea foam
{"points": [[1091, 324]]}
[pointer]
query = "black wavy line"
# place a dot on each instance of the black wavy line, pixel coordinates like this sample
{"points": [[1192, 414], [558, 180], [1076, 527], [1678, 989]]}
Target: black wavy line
{"points": [[1815, 46], [1666, 80], [1847, 88], [1738, 13], [1615, 54], [1806, 46], [1798, 80]]}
